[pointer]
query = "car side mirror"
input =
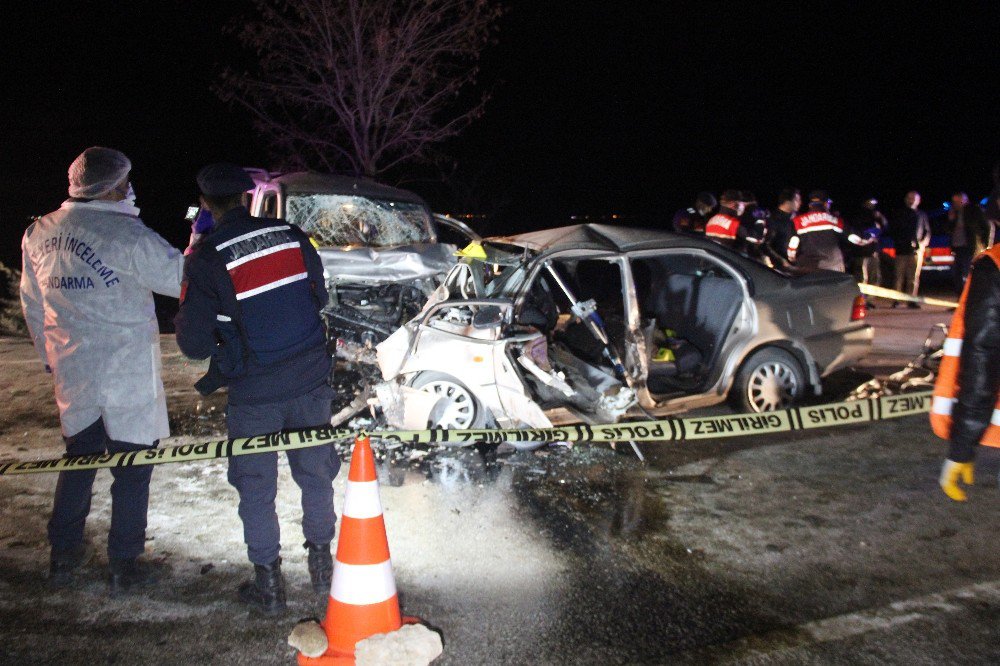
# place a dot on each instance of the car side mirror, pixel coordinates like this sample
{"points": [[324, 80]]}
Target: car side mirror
{"points": [[488, 316]]}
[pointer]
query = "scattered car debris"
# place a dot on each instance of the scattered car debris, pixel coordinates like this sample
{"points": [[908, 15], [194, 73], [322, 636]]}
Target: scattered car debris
{"points": [[918, 375]]}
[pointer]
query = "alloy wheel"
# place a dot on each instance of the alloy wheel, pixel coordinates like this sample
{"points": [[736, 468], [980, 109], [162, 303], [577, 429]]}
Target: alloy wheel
{"points": [[773, 385]]}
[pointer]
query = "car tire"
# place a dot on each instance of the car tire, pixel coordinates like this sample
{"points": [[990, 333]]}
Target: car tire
{"points": [[769, 380], [461, 410]]}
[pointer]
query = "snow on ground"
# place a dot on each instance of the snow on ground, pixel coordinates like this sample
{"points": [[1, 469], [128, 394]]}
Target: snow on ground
{"points": [[452, 533]]}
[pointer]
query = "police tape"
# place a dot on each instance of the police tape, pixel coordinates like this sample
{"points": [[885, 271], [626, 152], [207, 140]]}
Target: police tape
{"points": [[671, 429], [882, 292]]}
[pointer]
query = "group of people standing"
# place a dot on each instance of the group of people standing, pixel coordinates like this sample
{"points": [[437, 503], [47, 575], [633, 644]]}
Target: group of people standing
{"points": [[89, 272], [820, 238], [809, 240]]}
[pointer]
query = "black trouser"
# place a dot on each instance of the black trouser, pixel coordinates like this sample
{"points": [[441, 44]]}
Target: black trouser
{"points": [[129, 497], [907, 277], [960, 269]]}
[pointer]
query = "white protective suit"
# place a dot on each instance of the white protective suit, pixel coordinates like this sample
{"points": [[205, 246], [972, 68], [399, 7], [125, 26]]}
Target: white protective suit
{"points": [[89, 270]]}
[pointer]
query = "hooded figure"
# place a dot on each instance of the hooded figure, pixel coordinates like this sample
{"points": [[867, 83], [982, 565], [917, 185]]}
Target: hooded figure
{"points": [[89, 272]]}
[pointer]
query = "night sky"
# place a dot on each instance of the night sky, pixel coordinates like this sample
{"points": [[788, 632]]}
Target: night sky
{"points": [[597, 107]]}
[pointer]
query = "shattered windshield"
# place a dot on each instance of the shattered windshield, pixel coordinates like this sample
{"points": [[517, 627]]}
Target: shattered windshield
{"points": [[341, 219]]}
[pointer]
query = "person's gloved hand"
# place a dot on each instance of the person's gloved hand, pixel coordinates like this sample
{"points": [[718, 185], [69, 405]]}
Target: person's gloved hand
{"points": [[951, 473], [203, 222]]}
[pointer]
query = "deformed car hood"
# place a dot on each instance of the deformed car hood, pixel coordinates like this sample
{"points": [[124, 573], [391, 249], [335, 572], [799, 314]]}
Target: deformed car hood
{"points": [[384, 265]]}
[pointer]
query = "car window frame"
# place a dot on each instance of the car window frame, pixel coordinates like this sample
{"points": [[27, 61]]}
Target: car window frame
{"points": [[459, 227], [744, 280], [538, 264]]}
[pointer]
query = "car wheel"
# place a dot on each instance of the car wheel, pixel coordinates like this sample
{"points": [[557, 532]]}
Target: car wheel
{"points": [[769, 380], [459, 409]]}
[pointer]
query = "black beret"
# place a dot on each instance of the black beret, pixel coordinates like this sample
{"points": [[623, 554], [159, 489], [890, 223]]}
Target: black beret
{"points": [[224, 179]]}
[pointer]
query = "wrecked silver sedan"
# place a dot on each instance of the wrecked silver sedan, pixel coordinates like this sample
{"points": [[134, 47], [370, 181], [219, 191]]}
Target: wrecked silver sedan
{"points": [[593, 324]]}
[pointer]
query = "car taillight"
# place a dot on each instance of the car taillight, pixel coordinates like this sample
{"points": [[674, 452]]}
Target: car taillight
{"points": [[859, 310]]}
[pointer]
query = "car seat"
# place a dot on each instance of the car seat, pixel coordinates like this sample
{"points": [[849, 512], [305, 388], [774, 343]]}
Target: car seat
{"points": [[698, 311]]}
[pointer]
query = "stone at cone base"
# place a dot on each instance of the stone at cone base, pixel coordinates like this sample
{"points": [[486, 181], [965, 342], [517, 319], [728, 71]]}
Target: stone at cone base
{"points": [[410, 645], [309, 638]]}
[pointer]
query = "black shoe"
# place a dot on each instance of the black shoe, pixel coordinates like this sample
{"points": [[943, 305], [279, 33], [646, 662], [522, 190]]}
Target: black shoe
{"points": [[913, 306], [62, 564], [895, 304], [123, 575], [266, 592], [320, 566]]}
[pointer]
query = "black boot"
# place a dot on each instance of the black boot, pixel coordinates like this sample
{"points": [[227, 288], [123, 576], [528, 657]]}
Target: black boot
{"points": [[62, 563], [124, 574], [266, 592], [320, 566]]}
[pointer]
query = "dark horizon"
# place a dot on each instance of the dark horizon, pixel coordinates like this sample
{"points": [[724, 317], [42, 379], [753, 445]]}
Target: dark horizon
{"points": [[596, 108]]}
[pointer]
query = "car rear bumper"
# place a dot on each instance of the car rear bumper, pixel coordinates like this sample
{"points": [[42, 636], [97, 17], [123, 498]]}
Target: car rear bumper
{"points": [[853, 343]]}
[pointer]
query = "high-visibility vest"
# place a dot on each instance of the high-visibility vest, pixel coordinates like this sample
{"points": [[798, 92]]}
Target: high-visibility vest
{"points": [[946, 386], [722, 226]]}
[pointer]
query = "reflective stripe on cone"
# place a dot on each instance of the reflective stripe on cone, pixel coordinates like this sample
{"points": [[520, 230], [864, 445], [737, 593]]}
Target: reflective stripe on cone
{"points": [[361, 500]]}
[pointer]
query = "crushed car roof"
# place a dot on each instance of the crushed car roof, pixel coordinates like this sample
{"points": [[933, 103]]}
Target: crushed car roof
{"points": [[601, 237], [306, 181]]}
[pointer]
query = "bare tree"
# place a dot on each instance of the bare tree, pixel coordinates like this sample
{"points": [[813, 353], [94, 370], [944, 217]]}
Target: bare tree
{"points": [[362, 85]]}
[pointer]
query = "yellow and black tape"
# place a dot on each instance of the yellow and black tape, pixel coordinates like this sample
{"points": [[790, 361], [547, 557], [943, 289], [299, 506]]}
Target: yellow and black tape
{"points": [[671, 429], [882, 292]]}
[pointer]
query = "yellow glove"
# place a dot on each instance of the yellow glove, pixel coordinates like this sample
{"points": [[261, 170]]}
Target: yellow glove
{"points": [[663, 354], [951, 473]]}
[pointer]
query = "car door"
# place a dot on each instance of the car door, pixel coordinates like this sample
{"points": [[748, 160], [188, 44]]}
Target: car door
{"points": [[694, 312]]}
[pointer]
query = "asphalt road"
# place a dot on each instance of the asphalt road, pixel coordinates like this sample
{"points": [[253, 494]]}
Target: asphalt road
{"points": [[825, 548]]}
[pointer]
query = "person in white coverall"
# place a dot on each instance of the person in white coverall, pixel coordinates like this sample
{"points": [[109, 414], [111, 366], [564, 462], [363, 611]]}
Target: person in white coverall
{"points": [[89, 272]]}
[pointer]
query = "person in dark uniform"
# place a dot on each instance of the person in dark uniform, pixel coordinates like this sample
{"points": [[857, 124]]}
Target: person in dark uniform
{"points": [[818, 235], [753, 221], [870, 223], [251, 300], [780, 228], [724, 227], [692, 220]]}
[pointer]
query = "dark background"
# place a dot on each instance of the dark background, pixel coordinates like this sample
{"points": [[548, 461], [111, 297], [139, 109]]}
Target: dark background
{"points": [[597, 107]]}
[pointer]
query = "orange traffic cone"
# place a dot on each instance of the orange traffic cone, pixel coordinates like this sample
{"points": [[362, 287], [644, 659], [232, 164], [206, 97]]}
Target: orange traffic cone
{"points": [[363, 597]]}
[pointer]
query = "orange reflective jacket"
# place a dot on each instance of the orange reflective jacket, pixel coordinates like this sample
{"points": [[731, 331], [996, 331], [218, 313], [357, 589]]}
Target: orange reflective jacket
{"points": [[946, 387]]}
